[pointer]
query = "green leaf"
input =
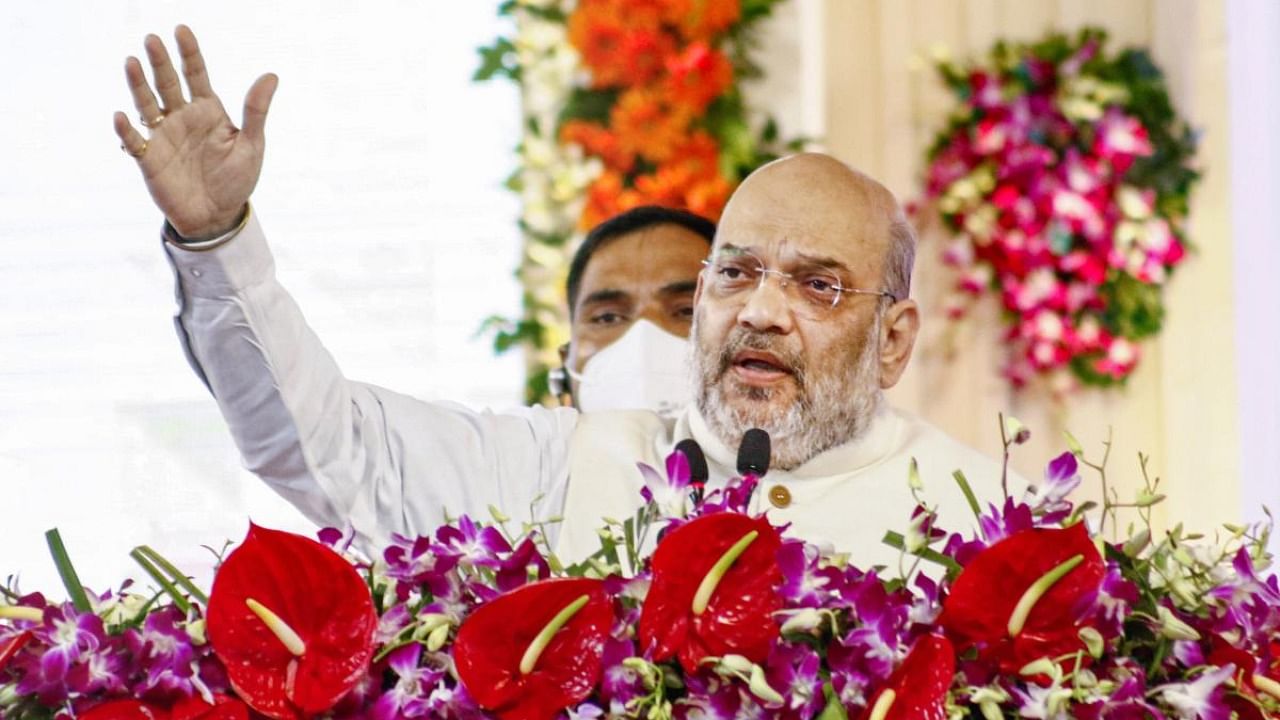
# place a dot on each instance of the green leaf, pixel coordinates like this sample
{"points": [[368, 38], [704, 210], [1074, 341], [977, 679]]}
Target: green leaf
{"points": [[969, 497], [590, 105], [497, 59], [165, 584], [183, 580], [67, 571]]}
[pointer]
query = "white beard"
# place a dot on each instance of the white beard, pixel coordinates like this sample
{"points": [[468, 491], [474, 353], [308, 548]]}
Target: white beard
{"points": [[832, 408]]}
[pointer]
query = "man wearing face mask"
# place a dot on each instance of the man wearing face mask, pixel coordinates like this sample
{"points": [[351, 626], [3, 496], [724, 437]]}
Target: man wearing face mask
{"points": [[630, 320], [802, 317]]}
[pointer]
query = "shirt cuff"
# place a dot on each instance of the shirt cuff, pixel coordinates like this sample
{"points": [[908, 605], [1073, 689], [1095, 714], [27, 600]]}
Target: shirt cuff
{"points": [[171, 235], [226, 268]]}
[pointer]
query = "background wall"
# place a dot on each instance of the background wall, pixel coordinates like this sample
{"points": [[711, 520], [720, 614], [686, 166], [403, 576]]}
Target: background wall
{"points": [[1182, 407]]}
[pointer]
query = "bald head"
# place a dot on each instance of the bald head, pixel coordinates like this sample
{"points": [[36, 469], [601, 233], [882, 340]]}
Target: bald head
{"points": [[814, 198]]}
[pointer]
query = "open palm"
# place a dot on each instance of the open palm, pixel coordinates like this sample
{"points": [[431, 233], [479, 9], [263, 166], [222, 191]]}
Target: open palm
{"points": [[199, 167]]}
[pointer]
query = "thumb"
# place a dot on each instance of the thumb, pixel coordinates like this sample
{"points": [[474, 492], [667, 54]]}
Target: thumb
{"points": [[256, 104]]}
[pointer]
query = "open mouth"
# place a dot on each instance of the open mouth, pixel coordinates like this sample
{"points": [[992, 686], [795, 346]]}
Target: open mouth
{"points": [[757, 367]]}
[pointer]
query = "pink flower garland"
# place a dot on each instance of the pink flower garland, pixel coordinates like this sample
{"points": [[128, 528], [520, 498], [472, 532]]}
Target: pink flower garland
{"points": [[1064, 178]]}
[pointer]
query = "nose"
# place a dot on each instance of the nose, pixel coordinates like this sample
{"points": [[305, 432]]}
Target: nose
{"points": [[766, 308]]}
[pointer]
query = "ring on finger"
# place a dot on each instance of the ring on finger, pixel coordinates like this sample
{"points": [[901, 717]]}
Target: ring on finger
{"points": [[135, 154], [153, 123]]}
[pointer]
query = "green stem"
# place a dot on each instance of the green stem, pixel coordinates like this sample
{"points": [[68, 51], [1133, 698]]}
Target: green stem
{"points": [[67, 571], [1037, 590], [707, 588], [531, 654]]}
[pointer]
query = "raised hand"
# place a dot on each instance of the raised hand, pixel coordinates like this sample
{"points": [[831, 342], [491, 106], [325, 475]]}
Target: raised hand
{"points": [[199, 167]]}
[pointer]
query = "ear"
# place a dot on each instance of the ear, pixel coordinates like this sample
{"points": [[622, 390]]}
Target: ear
{"points": [[898, 333]]}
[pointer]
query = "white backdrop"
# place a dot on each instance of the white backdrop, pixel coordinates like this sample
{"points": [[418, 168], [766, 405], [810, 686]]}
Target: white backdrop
{"points": [[381, 195]]}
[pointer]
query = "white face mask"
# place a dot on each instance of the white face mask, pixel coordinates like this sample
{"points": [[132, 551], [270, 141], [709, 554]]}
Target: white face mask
{"points": [[645, 369]]}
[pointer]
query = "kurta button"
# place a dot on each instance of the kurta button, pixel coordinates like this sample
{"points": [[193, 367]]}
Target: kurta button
{"points": [[195, 273], [779, 496]]}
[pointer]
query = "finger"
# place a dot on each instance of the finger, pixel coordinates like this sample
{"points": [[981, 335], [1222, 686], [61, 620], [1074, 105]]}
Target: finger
{"points": [[166, 78], [130, 139], [143, 99], [193, 63], [256, 104]]}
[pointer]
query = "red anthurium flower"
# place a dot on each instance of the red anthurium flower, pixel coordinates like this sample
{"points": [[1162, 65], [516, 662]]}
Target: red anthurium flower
{"points": [[714, 591], [1016, 601], [917, 690], [195, 708], [292, 621], [124, 710], [536, 650]]}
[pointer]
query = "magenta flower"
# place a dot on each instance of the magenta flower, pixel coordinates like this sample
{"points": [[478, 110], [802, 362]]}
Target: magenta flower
{"points": [[408, 698], [470, 544], [1199, 699]]}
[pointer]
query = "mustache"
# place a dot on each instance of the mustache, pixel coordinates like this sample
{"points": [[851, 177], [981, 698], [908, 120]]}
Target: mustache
{"points": [[743, 339]]}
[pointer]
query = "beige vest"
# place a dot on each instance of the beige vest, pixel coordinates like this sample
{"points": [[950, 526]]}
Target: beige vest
{"points": [[845, 498]]}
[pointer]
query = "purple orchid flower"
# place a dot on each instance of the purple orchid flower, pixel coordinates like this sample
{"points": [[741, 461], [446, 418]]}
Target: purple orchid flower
{"points": [[585, 711], [415, 562], [1113, 602], [516, 568], [339, 539], [408, 698], [471, 544], [1050, 499], [670, 493], [163, 648], [619, 684], [792, 670], [452, 702], [804, 584], [63, 638], [1199, 699], [711, 697]]}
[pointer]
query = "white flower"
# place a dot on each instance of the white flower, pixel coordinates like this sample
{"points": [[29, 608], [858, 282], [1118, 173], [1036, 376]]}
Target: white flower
{"points": [[1195, 699]]}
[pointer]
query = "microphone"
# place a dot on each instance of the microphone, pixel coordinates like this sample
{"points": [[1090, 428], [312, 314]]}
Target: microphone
{"points": [[698, 472], [754, 452]]}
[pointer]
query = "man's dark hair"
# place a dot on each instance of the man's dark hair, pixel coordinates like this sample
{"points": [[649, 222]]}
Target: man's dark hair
{"points": [[639, 218]]}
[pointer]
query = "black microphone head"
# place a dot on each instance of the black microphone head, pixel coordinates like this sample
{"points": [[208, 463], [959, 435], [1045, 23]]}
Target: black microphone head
{"points": [[754, 452], [698, 471]]}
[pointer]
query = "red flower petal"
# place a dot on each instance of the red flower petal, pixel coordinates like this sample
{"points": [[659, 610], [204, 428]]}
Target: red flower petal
{"points": [[983, 598], [921, 682], [740, 616], [11, 647], [493, 639], [195, 708], [318, 594], [124, 710]]}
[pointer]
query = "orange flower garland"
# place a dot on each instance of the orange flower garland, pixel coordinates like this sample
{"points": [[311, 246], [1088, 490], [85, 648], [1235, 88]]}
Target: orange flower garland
{"points": [[661, 59]]}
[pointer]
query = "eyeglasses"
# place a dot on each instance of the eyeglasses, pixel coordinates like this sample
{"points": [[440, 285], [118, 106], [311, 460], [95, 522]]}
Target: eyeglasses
{"points": [[818, 289]]}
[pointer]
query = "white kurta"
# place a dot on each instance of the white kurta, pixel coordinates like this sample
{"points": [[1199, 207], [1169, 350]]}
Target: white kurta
{"points": [[346, 452]]}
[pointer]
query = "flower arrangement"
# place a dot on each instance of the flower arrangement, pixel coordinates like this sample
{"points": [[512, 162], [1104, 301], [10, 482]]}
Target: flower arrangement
{"points": [[1032, 616], [1064, 175], [626, 103]]}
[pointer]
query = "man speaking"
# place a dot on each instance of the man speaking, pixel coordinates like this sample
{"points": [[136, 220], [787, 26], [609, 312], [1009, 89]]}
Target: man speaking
{"points": [[802, 317]]}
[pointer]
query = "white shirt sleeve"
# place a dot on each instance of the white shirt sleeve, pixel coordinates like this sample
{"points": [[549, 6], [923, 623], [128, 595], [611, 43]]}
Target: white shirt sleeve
{"points": [[343, 451]]}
